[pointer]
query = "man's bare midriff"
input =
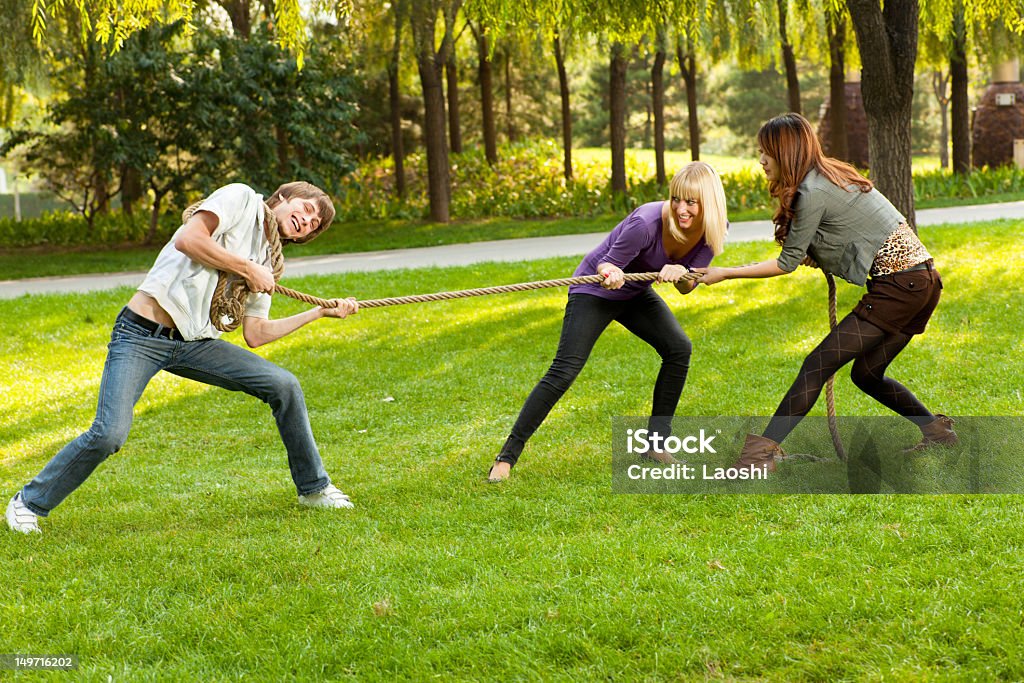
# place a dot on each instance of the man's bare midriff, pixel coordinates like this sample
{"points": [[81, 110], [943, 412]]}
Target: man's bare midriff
{"points": [[147, 307]]}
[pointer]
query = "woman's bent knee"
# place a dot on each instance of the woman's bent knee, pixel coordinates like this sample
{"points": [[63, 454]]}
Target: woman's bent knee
{"points": [[679, 351]]}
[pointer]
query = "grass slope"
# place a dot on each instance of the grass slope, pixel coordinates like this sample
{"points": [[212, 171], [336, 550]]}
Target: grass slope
{"points": [[185, 557]]}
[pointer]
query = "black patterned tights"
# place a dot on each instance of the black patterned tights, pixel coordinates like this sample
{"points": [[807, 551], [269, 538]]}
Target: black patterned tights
{"points": [[871, 349]]}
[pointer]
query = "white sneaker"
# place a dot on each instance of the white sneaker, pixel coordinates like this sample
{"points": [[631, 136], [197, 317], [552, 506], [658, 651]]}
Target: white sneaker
{"points": [[20, 518], [330, 497]]}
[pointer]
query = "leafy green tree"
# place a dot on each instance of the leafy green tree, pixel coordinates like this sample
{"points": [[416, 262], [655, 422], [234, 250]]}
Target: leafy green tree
{"points": [[948, 29], [887, 41], [111, 23], [182, 117], [485, 78], [275, 121], [836, 22]]}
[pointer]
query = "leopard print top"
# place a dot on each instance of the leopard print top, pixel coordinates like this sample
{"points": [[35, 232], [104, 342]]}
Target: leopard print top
{"points": [[901, 250]]}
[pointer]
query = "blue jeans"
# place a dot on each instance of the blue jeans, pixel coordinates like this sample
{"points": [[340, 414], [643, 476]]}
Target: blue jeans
{"points": [[134, 356], [586, 317]]}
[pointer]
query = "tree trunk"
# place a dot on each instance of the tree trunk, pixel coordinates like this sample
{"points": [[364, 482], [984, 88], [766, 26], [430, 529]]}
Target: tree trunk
{"points": [[102, 194], [395, 100], [239, 12], [789, 59], [454, 128], [131, 188], [486, 75], [838, 145], [887, 40], [510, 128], [397, 146], [960, 109], [438, 179], [617, 122], [154, 216], [658, 104], [430, 64], [940, 82], [688, 68], [563, 90]]}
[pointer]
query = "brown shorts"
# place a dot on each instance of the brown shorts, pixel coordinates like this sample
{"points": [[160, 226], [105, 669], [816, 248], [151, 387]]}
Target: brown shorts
{"points": [[902, 302]]}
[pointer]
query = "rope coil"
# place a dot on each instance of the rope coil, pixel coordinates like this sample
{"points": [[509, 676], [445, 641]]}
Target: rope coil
{"points": [[228, 305]]}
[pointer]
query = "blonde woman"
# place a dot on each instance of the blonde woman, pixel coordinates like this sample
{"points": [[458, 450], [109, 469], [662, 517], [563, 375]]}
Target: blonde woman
{"points": [[671, 237]]}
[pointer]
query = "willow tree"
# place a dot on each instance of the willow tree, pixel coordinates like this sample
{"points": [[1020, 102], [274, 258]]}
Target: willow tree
{"points": [[948, 28], [623, 24], [944, 48], [431, 58], [788, 56], [887, 42], [836, 22], [701, 39], [110, 22]]}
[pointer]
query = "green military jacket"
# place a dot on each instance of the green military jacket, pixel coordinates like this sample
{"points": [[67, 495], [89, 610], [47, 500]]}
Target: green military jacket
{"points": [[840, 229]]}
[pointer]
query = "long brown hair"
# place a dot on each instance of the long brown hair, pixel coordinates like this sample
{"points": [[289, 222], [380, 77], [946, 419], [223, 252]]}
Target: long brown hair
{"points": [[791, 142]]}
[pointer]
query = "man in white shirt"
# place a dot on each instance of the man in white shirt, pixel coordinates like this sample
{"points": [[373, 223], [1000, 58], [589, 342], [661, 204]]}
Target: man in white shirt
{"points": [[166, 326]]}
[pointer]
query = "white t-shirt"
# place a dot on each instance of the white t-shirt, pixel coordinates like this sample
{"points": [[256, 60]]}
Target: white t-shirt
{"points": [[185, 288]]}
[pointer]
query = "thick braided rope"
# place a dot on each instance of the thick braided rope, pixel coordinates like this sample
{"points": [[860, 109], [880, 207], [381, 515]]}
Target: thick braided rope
{"points": [[830, 397], [502, 289], [482, 291], [231, 292], [228, 306]]}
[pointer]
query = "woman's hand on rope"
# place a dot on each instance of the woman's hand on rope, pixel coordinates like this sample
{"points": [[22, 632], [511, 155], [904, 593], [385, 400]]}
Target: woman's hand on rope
{"points": [[672, 273], [711, 275], [614, 278], [809, 262], [258, 278], [342, 308]]}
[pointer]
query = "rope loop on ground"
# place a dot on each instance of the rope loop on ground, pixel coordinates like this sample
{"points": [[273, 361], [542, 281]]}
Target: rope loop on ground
{"points": [[830, 396]]}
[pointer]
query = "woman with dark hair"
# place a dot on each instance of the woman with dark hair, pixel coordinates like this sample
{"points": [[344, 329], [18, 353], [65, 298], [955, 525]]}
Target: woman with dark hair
{"points": [[832, 217]]}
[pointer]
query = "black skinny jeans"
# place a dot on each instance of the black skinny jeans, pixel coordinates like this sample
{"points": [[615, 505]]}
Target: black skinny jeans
{"points": [[586, 317]]}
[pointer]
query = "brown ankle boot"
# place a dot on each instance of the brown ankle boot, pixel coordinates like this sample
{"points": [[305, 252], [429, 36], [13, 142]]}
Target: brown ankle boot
{"points": [[938, 432], [759, 451], [662, 457]]}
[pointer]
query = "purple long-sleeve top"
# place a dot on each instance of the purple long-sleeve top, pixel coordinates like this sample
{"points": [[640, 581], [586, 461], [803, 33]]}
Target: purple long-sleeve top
{"points": [[635, 246]]}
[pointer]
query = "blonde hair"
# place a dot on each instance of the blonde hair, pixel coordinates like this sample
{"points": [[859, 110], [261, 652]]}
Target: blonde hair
{"points": [[304, 190], [698, 180]]}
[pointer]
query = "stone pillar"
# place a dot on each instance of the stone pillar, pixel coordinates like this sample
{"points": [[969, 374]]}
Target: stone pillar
{"points": [[999, 117], [856, 123]]}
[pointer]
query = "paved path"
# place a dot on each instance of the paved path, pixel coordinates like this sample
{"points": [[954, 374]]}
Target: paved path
{"points": [[476, 252]]}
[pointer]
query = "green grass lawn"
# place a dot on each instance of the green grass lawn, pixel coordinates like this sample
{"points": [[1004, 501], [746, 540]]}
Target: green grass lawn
{"points": [[185, 556]]}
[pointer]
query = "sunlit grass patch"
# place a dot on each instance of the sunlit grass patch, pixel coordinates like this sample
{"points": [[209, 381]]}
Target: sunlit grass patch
{"points": [[185, 557]]}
